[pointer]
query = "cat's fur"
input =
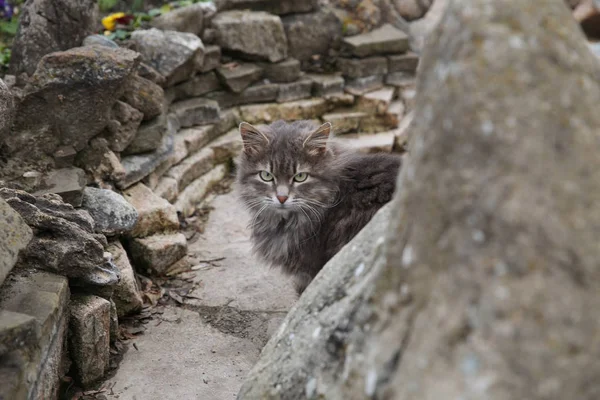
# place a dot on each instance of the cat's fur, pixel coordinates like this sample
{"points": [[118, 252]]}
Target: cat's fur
{"points": [[343, 191]]}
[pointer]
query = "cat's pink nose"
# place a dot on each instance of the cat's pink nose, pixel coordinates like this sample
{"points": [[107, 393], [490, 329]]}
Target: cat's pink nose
{"points": [[282, 199]]}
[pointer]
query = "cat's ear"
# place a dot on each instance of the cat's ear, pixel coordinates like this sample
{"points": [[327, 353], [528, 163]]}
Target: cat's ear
{"points": [[254, 140], [316, 143]]}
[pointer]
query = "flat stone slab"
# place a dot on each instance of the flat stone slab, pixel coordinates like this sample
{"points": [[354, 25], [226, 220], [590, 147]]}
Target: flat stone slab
{"points": [[258, 93], [293, 91], [196, 86], [403, 62], [17, 331], [326, 84], [139, 166], [194, 112], [312, 108], [383, 40], [377, 101], [238, 76], [360, 67], [345, 122], [360, 86], [154, 254], [68, 183], [155, 214], [400, 80], [373, 143], [212, 58], [16, 235], [282, 72], [192, 167], [192, 195]]}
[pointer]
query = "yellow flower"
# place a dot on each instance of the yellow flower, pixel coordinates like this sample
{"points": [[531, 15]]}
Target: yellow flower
{"points": [[110, 21]]}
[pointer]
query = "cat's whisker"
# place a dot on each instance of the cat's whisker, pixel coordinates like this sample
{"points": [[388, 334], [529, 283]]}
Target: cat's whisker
{"points": [[254, 220]]}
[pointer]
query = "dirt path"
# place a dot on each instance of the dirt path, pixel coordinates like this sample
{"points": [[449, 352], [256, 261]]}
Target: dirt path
{"points": [[204, 348]]}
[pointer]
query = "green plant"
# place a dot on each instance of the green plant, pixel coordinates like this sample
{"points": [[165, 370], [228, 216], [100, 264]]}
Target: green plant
{"points": [[106, 5]]}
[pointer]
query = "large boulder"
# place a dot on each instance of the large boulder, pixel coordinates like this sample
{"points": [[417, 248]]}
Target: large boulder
{"points": [[63, 239], [46, 26], [253, 35], [72, 92], [482, 285], [7, 110], [175, 55]]}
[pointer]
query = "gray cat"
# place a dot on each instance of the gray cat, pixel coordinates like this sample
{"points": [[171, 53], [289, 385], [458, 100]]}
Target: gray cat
{"points": [[308, 196]]}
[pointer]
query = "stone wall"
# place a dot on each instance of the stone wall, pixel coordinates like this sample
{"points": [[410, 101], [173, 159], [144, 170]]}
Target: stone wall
{"points": [[106, 147]]}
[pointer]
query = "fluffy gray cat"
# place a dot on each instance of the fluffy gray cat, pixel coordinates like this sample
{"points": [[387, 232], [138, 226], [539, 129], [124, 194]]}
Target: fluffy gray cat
{"points": [[308, 196]]}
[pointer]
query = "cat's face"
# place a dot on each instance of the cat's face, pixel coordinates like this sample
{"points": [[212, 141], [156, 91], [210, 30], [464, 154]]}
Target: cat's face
{"points": [[286, 168]]}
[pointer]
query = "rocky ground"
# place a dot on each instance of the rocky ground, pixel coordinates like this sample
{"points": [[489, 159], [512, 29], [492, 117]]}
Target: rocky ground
{"points": [[204, 347]]}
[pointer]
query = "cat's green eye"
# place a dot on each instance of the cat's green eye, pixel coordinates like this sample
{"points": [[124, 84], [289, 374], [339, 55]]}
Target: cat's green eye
{"points": [[265, 176], [300, 177]]}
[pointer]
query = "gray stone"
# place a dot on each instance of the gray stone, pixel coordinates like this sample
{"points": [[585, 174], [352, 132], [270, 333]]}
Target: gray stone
{"points": [[192, 167], [403, 63], [324, 85], [480, 288], [100, 163], [127, 295], [15, 237], [17, 331], [114, 321], [184, 19], [293, 91], [282, 72], [155, 215], [36, 369], [259, 93], [68, 183], [175, 55], [112, 214], [279, 7], [361, 67], [197, 137], [148, 137], [400, 80], [381, 142], [47, 26], [64, 156], [360, 86], [209, 36], [146, 71], [73, 92], [412, 9], [238, 76], [197, 111], [144, 95], [384, 40], [230, 118], [345, 122], [377, 101], [89, 338], [7, 110], [99, 40], [64, 241], [123, 127], [167, 188], [139, 166], [189, 198], [254, 35], [155, 254], [212, 58], [295, 110], [197, 86], [312, 34]]}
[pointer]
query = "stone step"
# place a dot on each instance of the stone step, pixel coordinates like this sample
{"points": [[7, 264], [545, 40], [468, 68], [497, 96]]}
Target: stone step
{"points": [[326, 84], [403, 63], [139, 166], [312, 108], [374, 143], [377, 101], [282, 72], [258, 93], [400, 80], [43, 296], [360, 86], [192, 195], [155, 254], [294, 91], [346, 122], [148, 136], [16, 235], [196, 111], [155, 214], [384, 40], [167, 189], [126, 295], [192, 167], [17, 331], [196, 86], [238, 76], [68, 183], [361, 67]]}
